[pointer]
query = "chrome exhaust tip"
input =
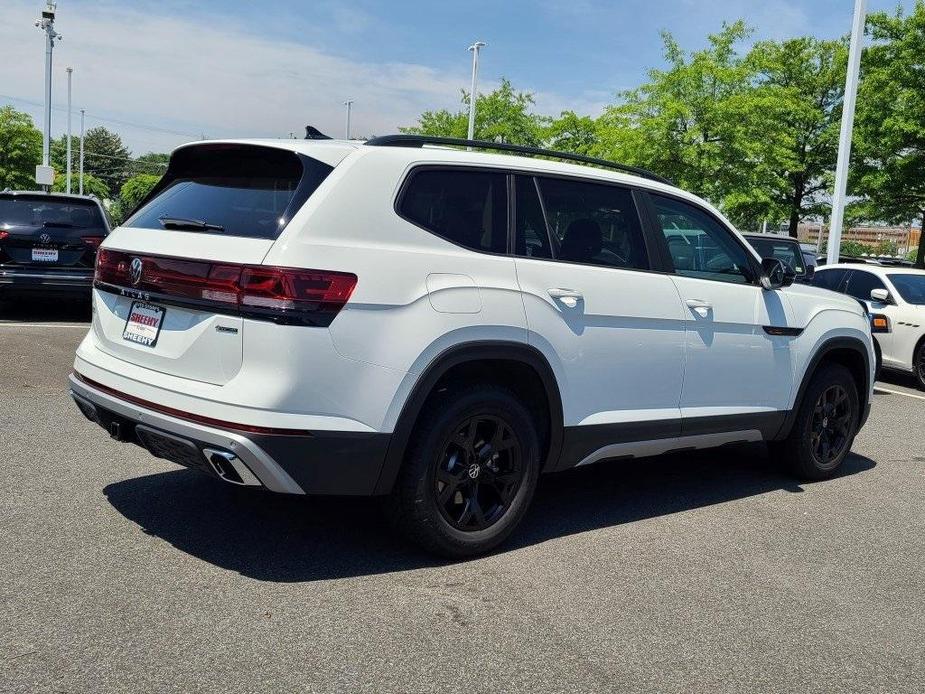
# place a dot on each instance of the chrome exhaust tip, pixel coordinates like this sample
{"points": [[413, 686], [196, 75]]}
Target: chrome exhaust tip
{"points": [[230, 468]]}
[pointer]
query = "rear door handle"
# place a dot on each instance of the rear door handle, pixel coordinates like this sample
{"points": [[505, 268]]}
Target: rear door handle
{"points": [[701, 307], [568, 297]]}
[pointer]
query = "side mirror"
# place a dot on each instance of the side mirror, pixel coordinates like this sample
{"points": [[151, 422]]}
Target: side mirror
{"points": [[881, 295], [810, 272], [776, 274]]}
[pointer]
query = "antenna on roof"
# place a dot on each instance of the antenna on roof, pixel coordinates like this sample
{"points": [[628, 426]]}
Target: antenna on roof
{"points": [[312, 133]]}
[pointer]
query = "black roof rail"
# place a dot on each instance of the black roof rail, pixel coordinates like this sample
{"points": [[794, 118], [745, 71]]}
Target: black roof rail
{"points": [[421, 140]]}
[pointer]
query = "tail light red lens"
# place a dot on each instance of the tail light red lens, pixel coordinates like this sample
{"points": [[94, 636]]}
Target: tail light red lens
{"points": [[274, 293], [92, 241], [4, 234]]}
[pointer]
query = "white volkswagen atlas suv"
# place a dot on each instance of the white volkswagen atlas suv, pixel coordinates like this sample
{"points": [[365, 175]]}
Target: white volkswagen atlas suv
{"points": [[438, 326]]}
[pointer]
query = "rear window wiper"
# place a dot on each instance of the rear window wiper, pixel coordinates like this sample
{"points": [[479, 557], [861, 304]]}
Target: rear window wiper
{"points": [[188, 224]]}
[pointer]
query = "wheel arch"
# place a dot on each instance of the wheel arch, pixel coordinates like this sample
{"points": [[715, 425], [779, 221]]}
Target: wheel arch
{"points": [[479, 357], [852, 353]]}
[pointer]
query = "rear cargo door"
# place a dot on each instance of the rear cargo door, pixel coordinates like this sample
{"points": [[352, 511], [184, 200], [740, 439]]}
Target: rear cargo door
{"points": [[167, 283]]}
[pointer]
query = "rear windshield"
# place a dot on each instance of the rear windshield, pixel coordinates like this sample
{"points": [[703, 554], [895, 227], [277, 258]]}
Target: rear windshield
{"points": [[38, 211], [232, 190], [785, 251]]}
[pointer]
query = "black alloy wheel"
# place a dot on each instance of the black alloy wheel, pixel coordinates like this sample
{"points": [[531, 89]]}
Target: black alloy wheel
{"points": [[831, 427], [469, 471], [478, 473]]}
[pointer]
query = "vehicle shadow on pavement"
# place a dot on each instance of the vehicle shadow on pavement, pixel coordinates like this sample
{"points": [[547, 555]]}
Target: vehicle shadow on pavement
{"points": [[273, 537]]}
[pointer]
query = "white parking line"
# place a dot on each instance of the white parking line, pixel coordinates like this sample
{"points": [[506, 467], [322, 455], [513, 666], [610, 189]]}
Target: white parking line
{"points": [[14, 324], [881, 389]]}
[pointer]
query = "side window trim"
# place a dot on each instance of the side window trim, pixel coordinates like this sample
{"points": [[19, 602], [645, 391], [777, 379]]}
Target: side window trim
{"points": [[554, 241], [754, 268], [655, 239], [418, 168], [514, 176]]}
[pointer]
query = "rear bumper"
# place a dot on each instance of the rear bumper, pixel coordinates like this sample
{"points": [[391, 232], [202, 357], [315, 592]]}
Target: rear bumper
{"points": [[38, 279], [317, 462]]}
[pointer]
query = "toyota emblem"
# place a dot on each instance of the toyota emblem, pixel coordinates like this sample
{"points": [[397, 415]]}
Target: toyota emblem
{"points": [[135, 271], [45, 238]]}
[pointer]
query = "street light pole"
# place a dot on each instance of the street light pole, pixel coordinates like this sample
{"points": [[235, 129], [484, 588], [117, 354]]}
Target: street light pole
{"points": [[67, 176], [47, 24], [80, 178], [472, 93], [348, 103], [847, 125]]}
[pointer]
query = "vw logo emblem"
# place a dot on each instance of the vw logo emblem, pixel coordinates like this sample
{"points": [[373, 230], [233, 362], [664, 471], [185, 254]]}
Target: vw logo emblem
{"points": [[474, 470], [135, 271], [45, 238]]}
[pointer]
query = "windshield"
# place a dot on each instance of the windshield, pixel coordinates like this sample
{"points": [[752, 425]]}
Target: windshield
{"points": [[39, 211], [783, 250], [910, 287]]}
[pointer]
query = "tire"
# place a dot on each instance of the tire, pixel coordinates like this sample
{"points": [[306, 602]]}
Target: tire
{"points": [[918, 365], [824, 430], [452, 459]]}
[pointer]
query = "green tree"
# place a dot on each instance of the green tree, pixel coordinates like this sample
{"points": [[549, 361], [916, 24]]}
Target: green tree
{"points": [[501, 116], [571, 133], [890, 132], [788, 129], [20, 149], [150, 163], [106, 157], [678, 124], [92, 184]]}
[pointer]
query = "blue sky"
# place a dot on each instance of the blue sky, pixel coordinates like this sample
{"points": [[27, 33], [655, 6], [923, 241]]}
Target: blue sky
{"points": [[265, 69]]}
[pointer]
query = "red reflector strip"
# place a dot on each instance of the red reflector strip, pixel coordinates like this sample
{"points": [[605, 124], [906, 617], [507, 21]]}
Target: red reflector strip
{"points": [[188, 416]]}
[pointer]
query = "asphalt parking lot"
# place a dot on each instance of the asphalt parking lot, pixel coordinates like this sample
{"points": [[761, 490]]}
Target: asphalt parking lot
{"points": [[700, 572]]}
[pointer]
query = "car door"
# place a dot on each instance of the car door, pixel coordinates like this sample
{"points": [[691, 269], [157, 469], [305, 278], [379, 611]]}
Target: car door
{"points": [[859, 285], [613, 328], [737, 376]]}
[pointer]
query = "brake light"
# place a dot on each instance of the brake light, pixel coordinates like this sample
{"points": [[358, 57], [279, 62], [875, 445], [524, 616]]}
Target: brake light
{"points": [[275, 293], [3, 235], [92, 241]]}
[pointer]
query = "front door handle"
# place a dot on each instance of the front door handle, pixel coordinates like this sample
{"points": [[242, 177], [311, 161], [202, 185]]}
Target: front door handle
{"points": [[569, 297], [701, 307]]}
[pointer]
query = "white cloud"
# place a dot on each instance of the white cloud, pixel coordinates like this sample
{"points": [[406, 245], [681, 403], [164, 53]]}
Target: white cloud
{"points": [[218, 79]]}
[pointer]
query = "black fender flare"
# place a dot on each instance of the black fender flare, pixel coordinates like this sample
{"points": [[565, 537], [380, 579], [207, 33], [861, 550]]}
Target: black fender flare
{"points": [[827, 347], [483, 350]]}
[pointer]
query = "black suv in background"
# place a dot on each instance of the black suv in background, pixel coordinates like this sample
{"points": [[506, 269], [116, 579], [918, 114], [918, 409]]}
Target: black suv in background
{"points": [[784, 248], [48, 242]]}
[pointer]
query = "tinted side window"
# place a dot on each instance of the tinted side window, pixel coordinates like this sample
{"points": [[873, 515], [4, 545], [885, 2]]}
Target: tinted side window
{"points": [[466, 207], [594, 223], [860, 283], [699, 245], [531, 239], [829, 279]]}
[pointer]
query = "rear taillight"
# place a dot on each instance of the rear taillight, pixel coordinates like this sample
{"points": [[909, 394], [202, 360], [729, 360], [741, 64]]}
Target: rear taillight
{"points": [[281, 294], [92, 241], [3, 235]]}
